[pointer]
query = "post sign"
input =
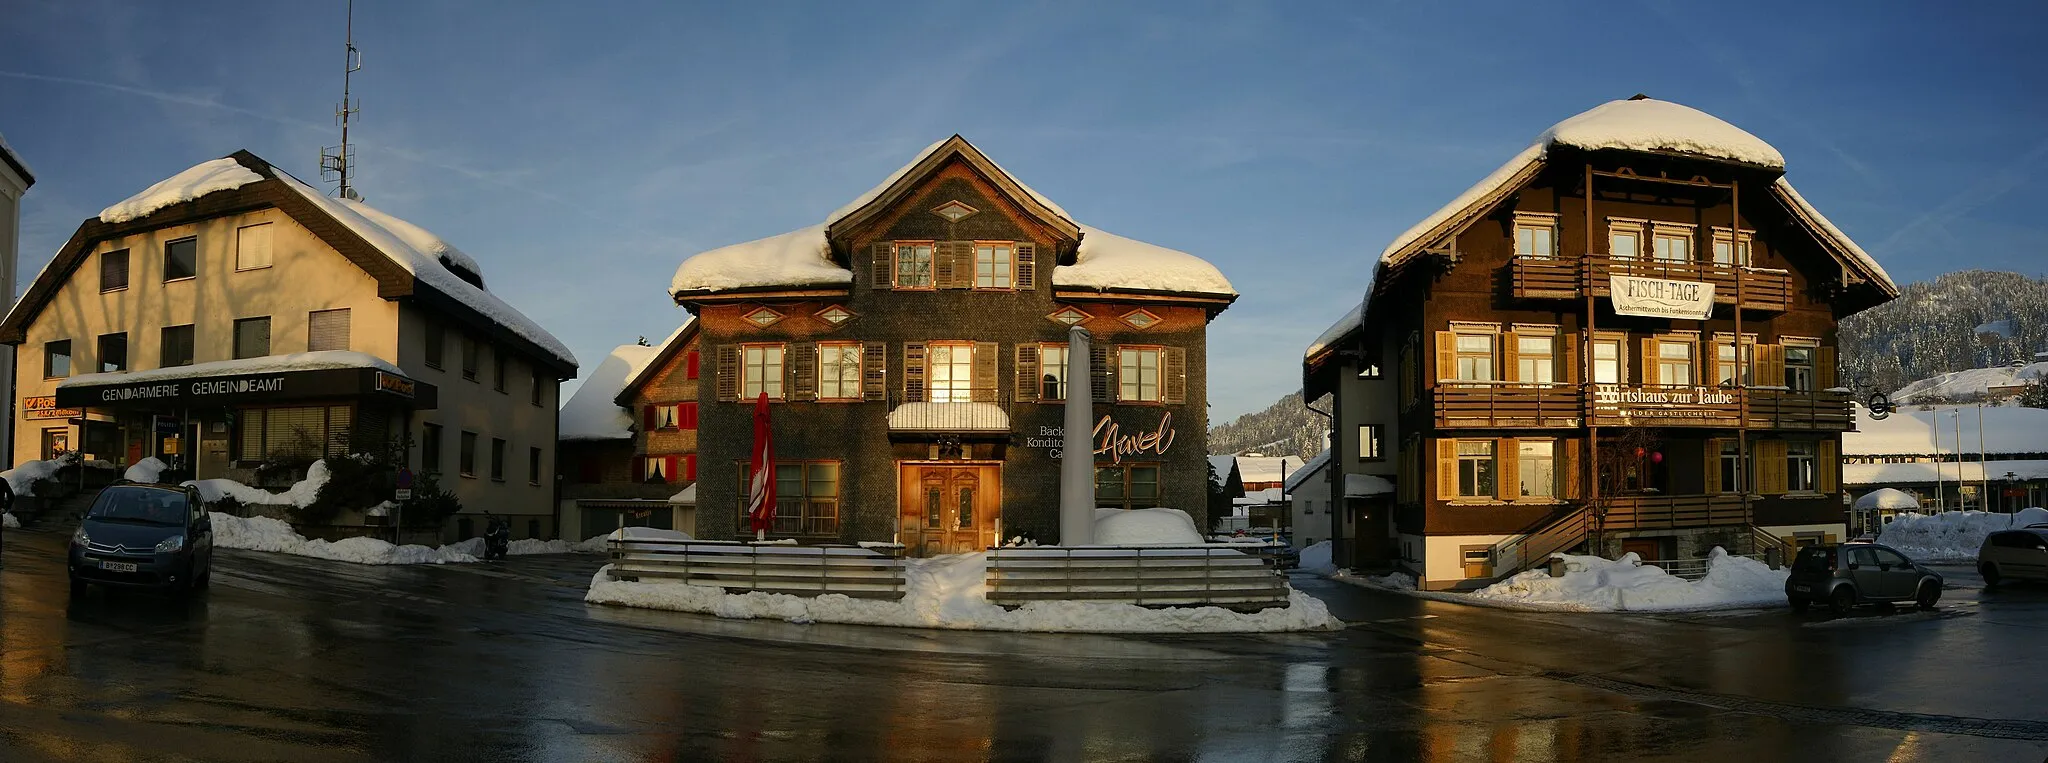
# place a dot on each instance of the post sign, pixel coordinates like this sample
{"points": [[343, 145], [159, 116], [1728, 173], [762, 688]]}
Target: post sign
{"points": [[1661, 297], [45, 407]]}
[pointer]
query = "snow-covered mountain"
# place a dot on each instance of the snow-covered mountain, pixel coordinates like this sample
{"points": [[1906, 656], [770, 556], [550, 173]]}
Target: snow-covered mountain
{"points": [[1972, 319], [1283, 428]]}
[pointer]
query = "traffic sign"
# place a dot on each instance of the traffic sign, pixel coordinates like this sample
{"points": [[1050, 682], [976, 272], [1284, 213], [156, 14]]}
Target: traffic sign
{"points": [[403, 494], [404, 478]]}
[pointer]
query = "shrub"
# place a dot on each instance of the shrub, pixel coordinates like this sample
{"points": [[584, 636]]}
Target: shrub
{"points": [[430, 505]]}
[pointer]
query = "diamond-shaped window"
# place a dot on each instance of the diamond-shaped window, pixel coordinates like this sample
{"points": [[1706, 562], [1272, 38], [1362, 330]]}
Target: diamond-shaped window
{"points": [[954, 210], [835, 315], [1069, 316], [1141, 319], [762, 317]]}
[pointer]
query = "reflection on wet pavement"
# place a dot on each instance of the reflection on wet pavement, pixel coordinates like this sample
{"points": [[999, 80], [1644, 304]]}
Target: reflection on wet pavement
{"points": [[298, 659]]}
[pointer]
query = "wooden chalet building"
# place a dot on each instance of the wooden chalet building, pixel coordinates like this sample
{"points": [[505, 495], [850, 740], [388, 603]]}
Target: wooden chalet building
{"points": [[629, 440], [913, 347], [1623, 340]]}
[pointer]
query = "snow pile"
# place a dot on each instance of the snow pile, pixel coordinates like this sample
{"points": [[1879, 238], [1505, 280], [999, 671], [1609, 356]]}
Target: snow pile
{"points": [[647, 533], [146, 470], [949, 417], [300, 494], [1950, 535], [275, 536], [266, 364], [199, 180], [591, 413], [1145, 527], [952, 592], [1887, 498], [8, 520], [1593, 584], [22, 479], [1316, 558], [1106, 261]]}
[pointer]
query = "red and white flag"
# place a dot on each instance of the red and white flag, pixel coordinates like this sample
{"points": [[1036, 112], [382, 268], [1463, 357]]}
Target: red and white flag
{"points": [[761, 494]]}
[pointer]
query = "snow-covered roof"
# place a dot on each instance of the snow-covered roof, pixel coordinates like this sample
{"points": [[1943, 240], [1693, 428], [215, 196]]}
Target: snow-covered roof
{"points": [[949, 417], [10, 156], [1262, 497], [1640, 124], [421, 254], [1252, 469], [1970, 383], [667, 347], [223, 174], [1928, 473], [591, 414], [1109, 261], [803, 257], [2007, 429], [1887, 498], [1366, 485], [298, 361], [1313, 467], [1352, 320], [685, 497]]}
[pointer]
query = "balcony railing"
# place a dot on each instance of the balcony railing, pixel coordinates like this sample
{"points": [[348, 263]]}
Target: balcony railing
{"points": [[1643, 512], [968, 413], [1513, 405], [1570, 278]]}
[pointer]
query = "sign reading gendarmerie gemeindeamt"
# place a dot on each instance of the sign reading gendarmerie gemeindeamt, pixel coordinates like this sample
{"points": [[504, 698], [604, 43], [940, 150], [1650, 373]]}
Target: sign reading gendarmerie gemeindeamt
{"points": [[1661, 297], [245, 388]]}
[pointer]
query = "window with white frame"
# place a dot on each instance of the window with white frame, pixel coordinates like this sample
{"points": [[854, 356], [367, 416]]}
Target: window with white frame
{"points": [[1624, 239], [1801, 462], [1537, 468], [1052, 372], [1730, 372], [839, 371], [1475, 469], [1798, 367], [1671, 245], [1731, 250], [1732, 473], [761, 371], [994, 265], [952, 372], [1674, 362], [1536, 358], [1138, 374], [1475, 357], [252, 246], [1607, 367], [1535, 235]]}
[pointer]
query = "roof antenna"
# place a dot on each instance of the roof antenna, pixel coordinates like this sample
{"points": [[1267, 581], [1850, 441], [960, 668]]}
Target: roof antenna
{"points": [[335, 161]]}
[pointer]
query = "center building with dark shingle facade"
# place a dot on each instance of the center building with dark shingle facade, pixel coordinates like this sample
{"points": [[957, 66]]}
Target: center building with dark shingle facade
{"points": [[913, 347]]}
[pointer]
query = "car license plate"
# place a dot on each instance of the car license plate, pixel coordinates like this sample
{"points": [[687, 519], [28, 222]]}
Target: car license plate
{"points": [[118, 566], [1802, 588]]}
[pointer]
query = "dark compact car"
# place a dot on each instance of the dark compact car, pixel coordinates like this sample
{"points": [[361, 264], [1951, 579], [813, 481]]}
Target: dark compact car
{"points": [[143, 536], [2014, 555], [1845, 575]]}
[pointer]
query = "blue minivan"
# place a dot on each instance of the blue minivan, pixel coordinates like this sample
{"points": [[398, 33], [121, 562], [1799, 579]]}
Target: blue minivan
{"points": [[143, 536]]}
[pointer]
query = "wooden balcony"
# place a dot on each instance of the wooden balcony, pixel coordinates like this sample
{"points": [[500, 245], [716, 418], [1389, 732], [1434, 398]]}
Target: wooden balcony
{"points": [[1819, 410], [1571, 278], [1615, 405], [1646, 512], [1507, 405]]}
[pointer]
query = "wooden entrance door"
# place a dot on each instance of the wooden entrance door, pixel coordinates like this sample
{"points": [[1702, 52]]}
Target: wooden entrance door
{"points": [[949, 509]]}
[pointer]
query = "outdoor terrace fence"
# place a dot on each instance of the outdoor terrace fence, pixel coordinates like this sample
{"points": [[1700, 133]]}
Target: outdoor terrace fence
{"points": [[1150, 576], [742, 567], [1572, 277]]}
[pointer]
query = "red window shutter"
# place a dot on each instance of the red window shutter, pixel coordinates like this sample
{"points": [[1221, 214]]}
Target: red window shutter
{"points": [[647, 419], [687, 416], [690, 365], [674, 475], [639, 468], [690, 468]]}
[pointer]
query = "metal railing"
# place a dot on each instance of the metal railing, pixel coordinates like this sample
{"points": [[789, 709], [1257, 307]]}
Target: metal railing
{"points": [[961, 411], [743, 567], [1151, 576]]}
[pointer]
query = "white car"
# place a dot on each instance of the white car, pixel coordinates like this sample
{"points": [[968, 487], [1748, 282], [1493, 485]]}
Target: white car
{"points": [[2014, 555]]}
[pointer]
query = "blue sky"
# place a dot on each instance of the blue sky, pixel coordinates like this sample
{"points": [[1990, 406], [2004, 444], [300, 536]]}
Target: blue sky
{"points": [[582, 150]]}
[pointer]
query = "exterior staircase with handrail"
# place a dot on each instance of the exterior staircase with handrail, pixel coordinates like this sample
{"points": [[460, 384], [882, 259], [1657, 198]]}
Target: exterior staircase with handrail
{"points": [[1526, 551]]}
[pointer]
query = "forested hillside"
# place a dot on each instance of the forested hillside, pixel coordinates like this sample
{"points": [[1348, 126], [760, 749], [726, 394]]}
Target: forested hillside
{"points": [[1963, 320]]}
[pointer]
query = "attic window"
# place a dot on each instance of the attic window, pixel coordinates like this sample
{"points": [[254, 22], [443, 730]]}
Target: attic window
{"points": [[1143, 319], [762, 317], [1068, 316], [954, 211], [835, 315]]}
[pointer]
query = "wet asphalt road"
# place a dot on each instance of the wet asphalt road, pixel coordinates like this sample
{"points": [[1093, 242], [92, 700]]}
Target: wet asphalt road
{"points": [[304, 660]]}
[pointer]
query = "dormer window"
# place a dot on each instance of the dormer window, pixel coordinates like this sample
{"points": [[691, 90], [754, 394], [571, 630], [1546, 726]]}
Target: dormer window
{"points": [[1141, 319], [1535, 235], [954, 211], [762, 317]]}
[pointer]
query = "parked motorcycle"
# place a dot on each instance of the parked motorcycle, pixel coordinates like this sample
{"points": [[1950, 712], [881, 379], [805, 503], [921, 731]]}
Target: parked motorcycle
{"points": [[497, 538]]}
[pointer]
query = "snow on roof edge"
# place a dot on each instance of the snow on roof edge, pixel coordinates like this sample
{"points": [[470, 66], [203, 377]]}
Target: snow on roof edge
{"points": [[592, 413], [1352, 320], [1827, 227], [223, 174], [1109, 262], [15, 157]]}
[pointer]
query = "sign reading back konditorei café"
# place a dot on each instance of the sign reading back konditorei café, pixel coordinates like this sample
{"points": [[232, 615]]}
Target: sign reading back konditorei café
{"points": [[1661, 297]]}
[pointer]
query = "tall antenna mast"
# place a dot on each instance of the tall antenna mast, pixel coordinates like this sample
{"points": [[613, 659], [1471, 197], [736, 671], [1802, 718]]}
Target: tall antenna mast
{"points": [[336, 162]]}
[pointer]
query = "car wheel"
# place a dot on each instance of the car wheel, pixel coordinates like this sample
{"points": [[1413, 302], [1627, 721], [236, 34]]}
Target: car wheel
{"points": [[1990, 573], [1929, 594], [1842, 599], [1800, 605]]}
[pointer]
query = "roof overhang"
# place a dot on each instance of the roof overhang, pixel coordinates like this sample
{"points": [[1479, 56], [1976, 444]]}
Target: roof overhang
{"points": [[153, 390], [935, 159]]}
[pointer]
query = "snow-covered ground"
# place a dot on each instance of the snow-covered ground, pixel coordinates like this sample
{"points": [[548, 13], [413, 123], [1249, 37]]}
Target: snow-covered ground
{"points": [[22, 479], [951, 592], [1593, 584], [8, 520], [277, 536], [1950, 536]]}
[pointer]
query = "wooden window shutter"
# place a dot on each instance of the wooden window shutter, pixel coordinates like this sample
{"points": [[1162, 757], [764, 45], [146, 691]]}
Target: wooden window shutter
{"points": [[728, 372], [1650, 362], [1770, 365], [913, 372], [985, 380], [1824, 371], [1830, 466], [1713, 471], [1102, 373], [1446, 355], [1446, 469], [1511, 357], [953, 265], [874, 370], [1027, 372], [802, 370], [639, 468], [1174, 388], [1568, 359], [1710, 365], [670, 471], [1507, 468], [690, 467], [1568, 480], [1770, 466], [647, 418], [1027, 265], [884, 255]]}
